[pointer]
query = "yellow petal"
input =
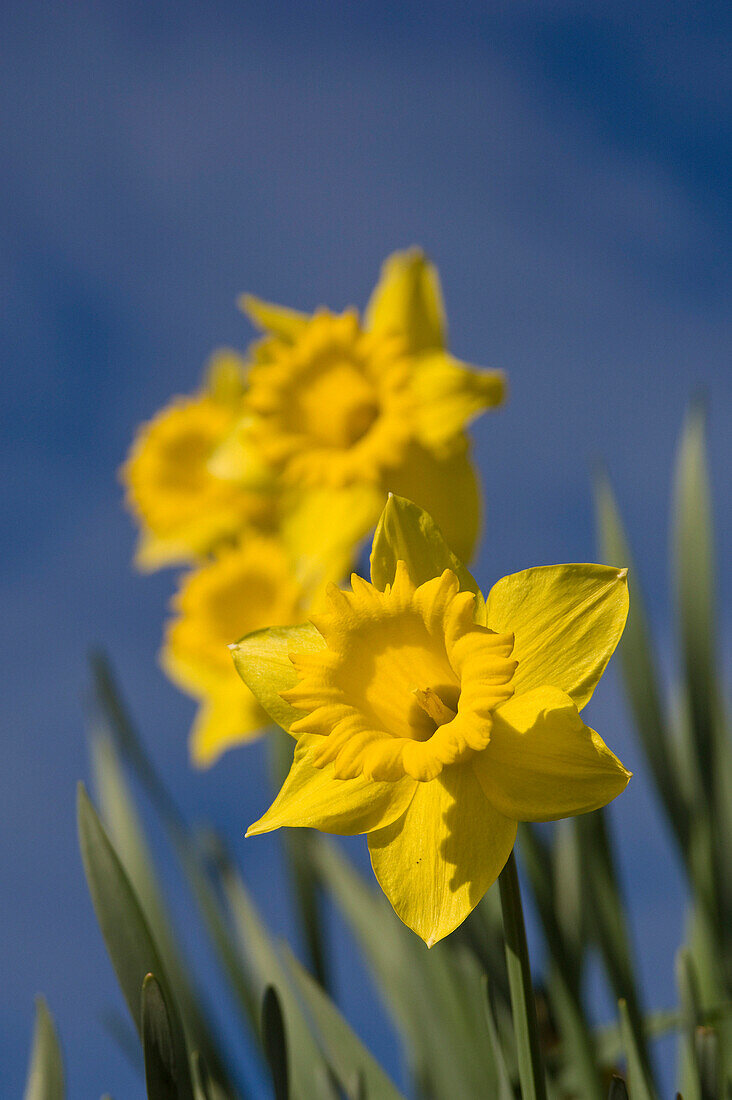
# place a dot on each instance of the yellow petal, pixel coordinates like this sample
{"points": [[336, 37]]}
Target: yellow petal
{"points": [[224, 720], [450, 394], [543, 763], [566, 619], [407, 301], [436, 862], [225, 377], [279, 320], [323, 528], [312, 797], [446, 486], [262, 660]]}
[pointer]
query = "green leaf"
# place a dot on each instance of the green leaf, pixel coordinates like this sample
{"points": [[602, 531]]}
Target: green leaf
{"points": [[608, 915], [275, 1042], [694, 582], [407, 533], [640, 1086], [307, 1069], [45, 1080], [638, 666], [166, 1075], [131, 947], [123, 825], [618, 1089], [707, 1053], [690, 1019], [523, 1004], [344, 1052], [435, 997], [262, 660], [504, 1086]]}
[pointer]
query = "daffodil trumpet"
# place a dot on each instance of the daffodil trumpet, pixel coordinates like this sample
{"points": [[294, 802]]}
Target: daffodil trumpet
{"points": [[434, 720]]}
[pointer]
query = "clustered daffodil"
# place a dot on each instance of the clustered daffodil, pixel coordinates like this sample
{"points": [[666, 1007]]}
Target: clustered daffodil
{"points": [[243, 588], [182, 508], [434, 720], [297, 444], [339, 402]]}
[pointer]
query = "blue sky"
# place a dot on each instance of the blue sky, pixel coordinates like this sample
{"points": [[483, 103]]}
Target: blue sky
{"points": [[566, 165]]}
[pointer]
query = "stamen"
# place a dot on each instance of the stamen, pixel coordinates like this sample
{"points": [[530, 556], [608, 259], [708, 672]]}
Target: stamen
{"points": [[433, 705]]}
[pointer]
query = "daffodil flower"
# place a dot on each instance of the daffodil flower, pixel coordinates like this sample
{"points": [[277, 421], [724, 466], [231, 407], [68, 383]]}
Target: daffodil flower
{"points": [[434, 720], [241, 589], [182, 507], [335, 402]]}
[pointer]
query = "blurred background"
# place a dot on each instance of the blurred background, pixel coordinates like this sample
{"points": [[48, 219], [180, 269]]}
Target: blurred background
{"points": [[565, 164]]}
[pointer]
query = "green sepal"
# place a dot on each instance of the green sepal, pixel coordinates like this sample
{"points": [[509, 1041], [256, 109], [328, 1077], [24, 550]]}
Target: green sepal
{"points": [[405, 532], [262, 660]]}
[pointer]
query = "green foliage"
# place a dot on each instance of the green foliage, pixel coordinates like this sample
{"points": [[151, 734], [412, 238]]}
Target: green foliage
{"points": [[46, 1071]]}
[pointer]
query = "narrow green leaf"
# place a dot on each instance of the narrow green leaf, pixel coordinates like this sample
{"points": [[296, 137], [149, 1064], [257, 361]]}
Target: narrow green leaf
{"points": [[694, 583], [618, 1089], [45, 1080], [707, 1054], [407, 533], [640, 1086], [690, 1019], [274, 1042], [344, 1051], [435, 997], [552, 874], [263, 662], [121, 819], [166, 1074], [504, 1086], [523, 1003], [131, 947], [640, 677], [305, 1060]]}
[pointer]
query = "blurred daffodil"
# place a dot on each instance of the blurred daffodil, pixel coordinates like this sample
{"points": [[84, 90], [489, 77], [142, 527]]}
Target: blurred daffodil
{"points": [[182, 507], [433, 720], [335, 402], [242, 589]]}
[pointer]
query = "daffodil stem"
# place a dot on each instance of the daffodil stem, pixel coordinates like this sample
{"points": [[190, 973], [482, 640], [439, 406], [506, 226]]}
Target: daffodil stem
{"points": [[523, 1004]]}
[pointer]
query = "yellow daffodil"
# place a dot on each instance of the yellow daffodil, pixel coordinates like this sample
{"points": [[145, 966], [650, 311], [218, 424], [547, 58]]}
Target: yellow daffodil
{"points": [[334, 401], [242, 589], [434, 720], [182, 507]]}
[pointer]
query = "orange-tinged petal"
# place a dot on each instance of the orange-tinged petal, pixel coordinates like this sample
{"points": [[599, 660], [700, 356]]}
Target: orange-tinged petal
{"points": [[313, 797], [543, 763], [566, 621], [407, 301], [438, 859]]}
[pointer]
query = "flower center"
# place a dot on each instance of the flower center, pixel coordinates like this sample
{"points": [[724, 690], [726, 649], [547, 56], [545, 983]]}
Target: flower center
{"points": [[335, 405], [434, 705], [407, 682]]}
